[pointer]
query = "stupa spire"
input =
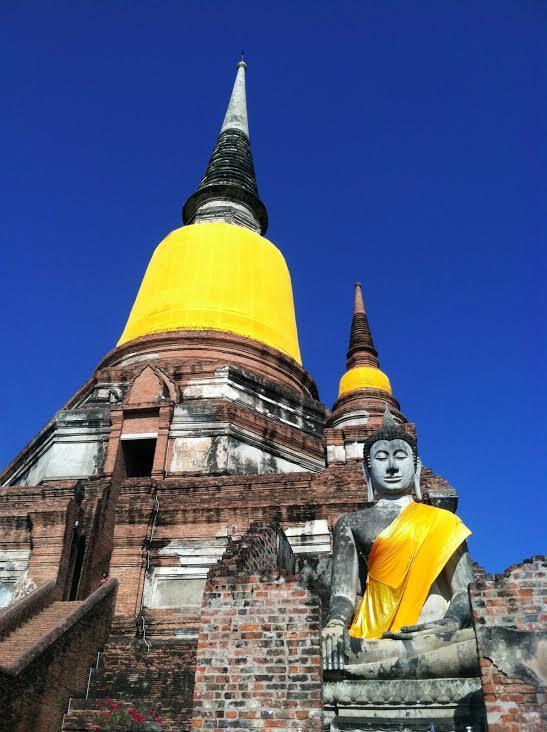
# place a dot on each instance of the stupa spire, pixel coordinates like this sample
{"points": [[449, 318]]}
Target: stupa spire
{"points": [[236, 114], [362, 365], [361, 347], [228, 191]]}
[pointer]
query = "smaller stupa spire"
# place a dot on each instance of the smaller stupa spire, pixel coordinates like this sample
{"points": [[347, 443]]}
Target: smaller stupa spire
{"points": [[361, 347], [358, 302], [362, 366]]}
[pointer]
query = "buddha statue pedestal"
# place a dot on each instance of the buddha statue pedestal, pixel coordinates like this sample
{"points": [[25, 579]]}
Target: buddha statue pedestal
{"points": [[405, 705], [413, 692]]}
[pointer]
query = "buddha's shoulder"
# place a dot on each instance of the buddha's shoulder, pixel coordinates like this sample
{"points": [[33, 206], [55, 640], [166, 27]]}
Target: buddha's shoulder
{"points": [[355, 518], [372, 516]]}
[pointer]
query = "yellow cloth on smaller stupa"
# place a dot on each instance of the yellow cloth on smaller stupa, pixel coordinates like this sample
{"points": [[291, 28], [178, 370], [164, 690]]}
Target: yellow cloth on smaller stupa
{"points": [[404, 561]]}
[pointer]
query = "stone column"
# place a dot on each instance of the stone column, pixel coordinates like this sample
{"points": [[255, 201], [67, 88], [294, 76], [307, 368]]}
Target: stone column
{"points": [[116, 416], [164, 423]]}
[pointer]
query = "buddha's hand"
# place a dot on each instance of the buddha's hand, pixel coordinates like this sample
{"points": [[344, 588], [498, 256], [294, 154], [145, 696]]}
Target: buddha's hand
{"points": [[333, 647], [435, 627]]}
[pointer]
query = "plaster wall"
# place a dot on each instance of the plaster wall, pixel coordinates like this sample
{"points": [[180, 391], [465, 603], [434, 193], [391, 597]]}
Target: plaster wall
{"points": [[310, 537], [227, 211], [199, 454], [204, 441], [181, 585], [349, 450], [233, 385], [170, 587], [352, 419], [250, 459], [230, 449], [13, 571], [70, 459], [73, 447]]}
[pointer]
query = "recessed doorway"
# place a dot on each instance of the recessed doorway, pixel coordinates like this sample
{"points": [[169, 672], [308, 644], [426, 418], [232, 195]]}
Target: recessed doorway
{"points": [[138, 456]]}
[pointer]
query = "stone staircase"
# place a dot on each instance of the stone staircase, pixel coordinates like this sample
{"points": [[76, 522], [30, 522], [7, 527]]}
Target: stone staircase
{"points": [[46, 649], [21, 640], [159, 677]]}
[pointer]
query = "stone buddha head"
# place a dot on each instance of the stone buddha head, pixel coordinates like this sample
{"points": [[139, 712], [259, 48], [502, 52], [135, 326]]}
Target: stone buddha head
{"points": [[390, 462]]}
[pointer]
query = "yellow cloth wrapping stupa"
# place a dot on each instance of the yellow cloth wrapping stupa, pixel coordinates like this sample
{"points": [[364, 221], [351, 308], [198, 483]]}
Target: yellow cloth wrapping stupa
{"points": [[217, 276], [404, 561], [363, 377]]}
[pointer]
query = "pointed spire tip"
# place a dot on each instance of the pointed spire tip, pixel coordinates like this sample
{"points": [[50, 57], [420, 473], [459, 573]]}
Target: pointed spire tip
{"points": [[358, 302], [236, 114]]}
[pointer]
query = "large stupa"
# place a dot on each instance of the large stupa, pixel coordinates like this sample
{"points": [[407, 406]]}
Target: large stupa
{"points": [[168, 539]]}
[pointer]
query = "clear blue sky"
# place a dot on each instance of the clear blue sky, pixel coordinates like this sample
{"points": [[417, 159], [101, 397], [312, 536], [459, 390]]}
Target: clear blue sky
{"points": [[397, 143]]}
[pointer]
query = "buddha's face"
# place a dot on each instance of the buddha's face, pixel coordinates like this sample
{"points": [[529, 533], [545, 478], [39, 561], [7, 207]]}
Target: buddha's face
{"points": [[392, 467]]}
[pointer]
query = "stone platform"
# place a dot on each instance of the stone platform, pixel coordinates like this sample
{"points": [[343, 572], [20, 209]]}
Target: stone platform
{"points": [[406, 705]]}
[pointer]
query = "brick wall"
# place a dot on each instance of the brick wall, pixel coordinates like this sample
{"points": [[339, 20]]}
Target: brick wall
{"points": [[101, 500], [34, 695], [197, 507], [510, 612], [259, 651]]}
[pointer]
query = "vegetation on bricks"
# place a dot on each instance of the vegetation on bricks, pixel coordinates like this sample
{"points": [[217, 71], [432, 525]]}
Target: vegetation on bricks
{"points": [[115, 717]]}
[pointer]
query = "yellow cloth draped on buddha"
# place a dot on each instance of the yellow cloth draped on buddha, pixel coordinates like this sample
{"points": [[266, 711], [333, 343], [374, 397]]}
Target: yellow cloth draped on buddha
{"points": [[404, 561]]}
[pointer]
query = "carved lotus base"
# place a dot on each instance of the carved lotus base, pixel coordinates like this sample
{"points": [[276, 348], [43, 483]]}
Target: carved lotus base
{"points": [[450, 705]]}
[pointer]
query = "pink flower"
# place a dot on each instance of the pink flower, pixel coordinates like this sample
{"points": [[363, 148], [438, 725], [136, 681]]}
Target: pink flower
{"points": [[136, 716]]}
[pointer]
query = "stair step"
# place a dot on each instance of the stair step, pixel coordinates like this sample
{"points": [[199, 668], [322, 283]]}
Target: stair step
{"points": [[132, 682], [161, 676], [23, 638], [82, 713]]}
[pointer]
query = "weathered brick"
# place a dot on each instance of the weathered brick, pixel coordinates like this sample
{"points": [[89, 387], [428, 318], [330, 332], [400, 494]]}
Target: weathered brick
{"points": [[282, 625], [513, 599]]}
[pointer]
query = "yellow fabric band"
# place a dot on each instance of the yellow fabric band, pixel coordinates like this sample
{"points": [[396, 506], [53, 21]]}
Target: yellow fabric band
{"points": [[363, 377]]}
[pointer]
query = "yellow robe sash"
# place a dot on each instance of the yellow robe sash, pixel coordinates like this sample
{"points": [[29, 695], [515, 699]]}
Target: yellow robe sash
{"points": [[404, 561]]}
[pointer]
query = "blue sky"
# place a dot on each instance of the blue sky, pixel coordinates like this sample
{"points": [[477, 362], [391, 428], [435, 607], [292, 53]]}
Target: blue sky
{"points": [[399, 144]]}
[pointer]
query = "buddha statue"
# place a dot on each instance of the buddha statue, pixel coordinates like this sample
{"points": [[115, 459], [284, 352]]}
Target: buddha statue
{"points": [[399, 604]]}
